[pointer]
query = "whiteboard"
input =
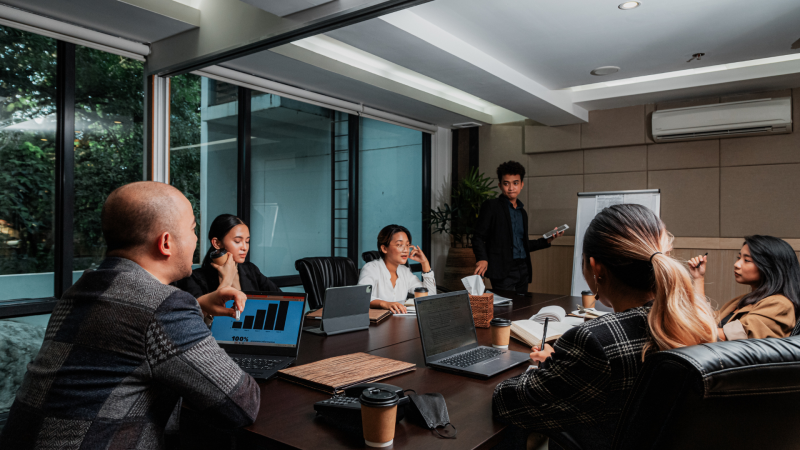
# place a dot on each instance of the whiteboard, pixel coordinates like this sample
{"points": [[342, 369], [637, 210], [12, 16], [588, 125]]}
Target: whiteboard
{"points": [[591, 203]]}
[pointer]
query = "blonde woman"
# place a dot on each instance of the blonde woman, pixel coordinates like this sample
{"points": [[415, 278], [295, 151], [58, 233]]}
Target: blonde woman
{"points": [[581, 384]]}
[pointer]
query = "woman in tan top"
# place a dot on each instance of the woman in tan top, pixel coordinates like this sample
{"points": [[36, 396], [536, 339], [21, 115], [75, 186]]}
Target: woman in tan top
{"points": [[770, 267]]}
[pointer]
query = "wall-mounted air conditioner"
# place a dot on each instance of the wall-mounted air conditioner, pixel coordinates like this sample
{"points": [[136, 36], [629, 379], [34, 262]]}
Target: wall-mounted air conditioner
{"points": [[724, 120]]}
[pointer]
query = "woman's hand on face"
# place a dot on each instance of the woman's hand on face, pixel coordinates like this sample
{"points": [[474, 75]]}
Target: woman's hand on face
{"points": [[540, 355], [417, 255], [395, 307], [697, 266], [227, 271]]}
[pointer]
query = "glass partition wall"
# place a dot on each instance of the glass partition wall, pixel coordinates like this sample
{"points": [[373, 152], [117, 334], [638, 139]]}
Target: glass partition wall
{"points": [[310, 181]]}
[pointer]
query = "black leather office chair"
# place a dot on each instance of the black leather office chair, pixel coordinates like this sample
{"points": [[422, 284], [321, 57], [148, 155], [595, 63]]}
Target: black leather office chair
{"points": [[318, 274], [371, 255], [737, 394], [796, 330]]}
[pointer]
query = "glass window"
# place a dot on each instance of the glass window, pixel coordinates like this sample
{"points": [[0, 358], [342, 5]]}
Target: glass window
{"points": [[290, 210], [21, 337], [390, 182], [27, 163], [109, 108], [203, 151]]}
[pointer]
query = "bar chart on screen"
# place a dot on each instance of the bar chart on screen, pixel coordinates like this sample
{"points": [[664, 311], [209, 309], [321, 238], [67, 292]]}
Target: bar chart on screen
{"points": [[272, 318]]}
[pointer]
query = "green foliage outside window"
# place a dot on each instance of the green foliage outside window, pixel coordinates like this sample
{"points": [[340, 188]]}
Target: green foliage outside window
{"points": [[109, 117]]}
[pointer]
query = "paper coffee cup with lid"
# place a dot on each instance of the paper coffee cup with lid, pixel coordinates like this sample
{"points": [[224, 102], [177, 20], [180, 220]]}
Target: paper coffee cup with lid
{"points": [[378, 416], [501, 332]]}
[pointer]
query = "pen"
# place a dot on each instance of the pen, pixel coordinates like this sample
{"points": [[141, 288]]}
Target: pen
{"points": [[701, 262], [544, 333]]}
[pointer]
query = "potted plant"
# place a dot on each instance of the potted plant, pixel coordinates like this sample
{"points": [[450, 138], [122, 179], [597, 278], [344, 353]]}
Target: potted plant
{"points": [[458, 220]]}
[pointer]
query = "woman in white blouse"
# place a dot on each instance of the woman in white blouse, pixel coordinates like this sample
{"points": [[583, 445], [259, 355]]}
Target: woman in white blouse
{"points": [[390, 278]]}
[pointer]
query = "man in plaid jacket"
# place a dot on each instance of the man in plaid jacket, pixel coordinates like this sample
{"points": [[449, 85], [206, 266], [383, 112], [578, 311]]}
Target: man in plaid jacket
{"points": [[583, 387], [122, 346]]}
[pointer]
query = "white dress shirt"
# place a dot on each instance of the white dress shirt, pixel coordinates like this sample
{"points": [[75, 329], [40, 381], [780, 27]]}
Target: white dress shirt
{"points": [[376, 274]]}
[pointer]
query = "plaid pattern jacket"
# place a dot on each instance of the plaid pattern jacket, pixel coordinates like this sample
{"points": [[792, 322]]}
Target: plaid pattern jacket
{"points": [[583, 387], [119, 351]]}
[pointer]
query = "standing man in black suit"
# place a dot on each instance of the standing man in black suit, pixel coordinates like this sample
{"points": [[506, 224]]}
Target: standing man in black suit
{"points": [[500, 241]]}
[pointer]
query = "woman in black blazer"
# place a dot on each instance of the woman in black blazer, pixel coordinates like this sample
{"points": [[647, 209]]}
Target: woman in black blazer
{"points": [[229, 235]]}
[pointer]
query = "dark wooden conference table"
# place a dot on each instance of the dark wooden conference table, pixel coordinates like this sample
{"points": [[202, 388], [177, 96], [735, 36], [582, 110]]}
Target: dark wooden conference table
{"points": [[287, 417]]}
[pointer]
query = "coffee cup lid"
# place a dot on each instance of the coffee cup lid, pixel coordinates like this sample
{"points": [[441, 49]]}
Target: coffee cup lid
{"points": [[587, 293], [378, 397], [421, 289], [500, 322]]}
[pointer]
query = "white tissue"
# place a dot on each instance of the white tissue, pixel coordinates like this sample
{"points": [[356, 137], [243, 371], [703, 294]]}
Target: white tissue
{"points": [[474, 285]]}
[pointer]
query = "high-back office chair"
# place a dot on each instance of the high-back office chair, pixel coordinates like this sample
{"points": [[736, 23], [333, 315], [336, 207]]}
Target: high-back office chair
{"points": [[318, 274], [736, 394], [796, 330]]}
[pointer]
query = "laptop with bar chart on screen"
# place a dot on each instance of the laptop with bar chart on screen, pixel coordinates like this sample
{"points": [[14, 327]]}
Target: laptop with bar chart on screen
{"points": [[266, 339]]}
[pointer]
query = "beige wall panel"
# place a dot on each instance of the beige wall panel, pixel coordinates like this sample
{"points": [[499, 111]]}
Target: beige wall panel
{"points": [[683, 155], [760, 200], [614, 127], [756, 96], [552, 202], [552, 271], [559, 163], [648, 123], [498, 144], [615, 159], [761, 150], [539, 139], [687, 103], [689, 200], [624, 181]]}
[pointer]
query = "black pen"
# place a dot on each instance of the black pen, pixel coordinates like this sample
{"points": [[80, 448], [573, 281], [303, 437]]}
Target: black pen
{"points": [[544, 333], [701, 262]]}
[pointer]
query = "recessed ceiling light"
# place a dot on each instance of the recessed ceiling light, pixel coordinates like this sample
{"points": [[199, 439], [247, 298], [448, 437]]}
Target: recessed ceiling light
{"points": [[605, 70], [629, 5]]}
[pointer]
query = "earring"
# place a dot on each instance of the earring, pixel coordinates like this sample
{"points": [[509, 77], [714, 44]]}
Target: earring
{"points": [[597, 288]]}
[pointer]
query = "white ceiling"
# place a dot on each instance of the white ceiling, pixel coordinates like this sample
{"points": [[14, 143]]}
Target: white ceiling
{"points": [[558, 43], [521, 56]]}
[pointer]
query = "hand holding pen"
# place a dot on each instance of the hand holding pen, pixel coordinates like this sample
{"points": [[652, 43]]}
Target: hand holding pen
{"points": [[543, 351], [697, 266]]}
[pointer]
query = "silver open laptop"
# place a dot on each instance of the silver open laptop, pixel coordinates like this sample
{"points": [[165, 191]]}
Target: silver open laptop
{"points": [[449, 340]]}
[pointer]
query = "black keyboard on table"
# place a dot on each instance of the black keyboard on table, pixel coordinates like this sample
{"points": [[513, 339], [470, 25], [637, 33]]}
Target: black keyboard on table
{"points": [[338, 401], [471, 357], [255, 363]]}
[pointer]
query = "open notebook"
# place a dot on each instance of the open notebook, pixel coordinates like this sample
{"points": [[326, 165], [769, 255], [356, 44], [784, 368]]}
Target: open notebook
{"points": [[530, 331]]}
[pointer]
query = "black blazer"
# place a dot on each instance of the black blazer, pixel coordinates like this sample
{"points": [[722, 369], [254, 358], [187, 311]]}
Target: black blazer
{"points": [[493, 241], [206, 279]]}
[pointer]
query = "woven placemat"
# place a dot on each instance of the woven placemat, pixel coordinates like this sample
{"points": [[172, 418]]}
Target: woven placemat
{"points": [[340, 372]]}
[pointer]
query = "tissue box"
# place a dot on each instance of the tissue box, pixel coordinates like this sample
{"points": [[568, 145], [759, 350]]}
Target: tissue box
{"points": [[482, 309]]}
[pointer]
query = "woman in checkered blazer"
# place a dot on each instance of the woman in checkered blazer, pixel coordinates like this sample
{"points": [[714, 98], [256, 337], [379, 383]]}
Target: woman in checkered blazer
{"points": [[583, 381]]}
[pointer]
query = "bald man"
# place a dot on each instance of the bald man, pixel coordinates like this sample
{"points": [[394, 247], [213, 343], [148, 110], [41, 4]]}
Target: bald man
{"points": [[123, 346]]}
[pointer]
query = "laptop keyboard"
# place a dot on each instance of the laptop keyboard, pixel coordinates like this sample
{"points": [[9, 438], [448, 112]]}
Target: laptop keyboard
{"points": [[471, 357], [255, 363]]}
